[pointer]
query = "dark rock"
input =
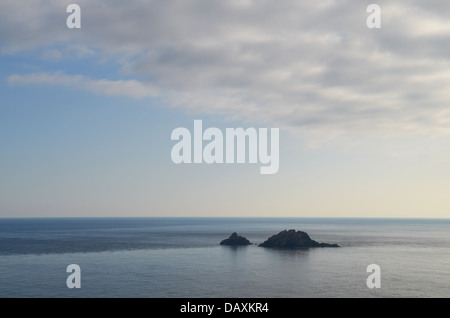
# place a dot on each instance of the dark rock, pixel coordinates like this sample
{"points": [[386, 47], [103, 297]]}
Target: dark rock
{"points": [[235, 239], [293, 239]]}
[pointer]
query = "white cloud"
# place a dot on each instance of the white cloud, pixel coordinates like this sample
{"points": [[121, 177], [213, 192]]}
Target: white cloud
{"points": [[310, 66], [52, 54], [129, 88]]}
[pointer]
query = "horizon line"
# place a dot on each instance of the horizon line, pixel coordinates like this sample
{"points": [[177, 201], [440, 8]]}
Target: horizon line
{"points": [[226, 217]]}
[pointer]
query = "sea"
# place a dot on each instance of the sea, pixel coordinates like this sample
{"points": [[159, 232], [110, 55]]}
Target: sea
{"points": [[182, 257]]}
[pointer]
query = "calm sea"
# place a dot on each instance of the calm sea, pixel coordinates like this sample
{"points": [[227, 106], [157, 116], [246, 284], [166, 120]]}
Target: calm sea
{"points": [[181, 257]]}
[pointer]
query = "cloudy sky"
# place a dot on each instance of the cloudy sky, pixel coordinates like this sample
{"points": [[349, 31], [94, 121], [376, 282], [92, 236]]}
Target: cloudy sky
{"points": [[86, 114]]}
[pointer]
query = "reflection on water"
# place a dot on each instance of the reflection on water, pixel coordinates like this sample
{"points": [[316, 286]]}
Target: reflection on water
{"points": [[183, 258]]}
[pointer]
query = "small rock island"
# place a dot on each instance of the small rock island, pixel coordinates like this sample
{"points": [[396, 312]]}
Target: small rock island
{"points": [[292, 239], [235, 240]]}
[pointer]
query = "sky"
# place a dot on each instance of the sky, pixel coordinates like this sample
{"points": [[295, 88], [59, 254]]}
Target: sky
{"points": [[86, 115]]}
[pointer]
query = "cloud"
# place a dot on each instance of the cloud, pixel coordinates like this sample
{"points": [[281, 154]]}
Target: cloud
{"points": [[129, 88], [52, 54], [309, 66]]}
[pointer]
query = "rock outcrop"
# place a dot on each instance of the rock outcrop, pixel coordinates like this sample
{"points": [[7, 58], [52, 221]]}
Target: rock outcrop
{"points": [[235, 239], [293, 239]]}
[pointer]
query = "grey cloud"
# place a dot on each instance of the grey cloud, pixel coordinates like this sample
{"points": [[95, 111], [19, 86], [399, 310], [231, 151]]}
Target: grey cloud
{"points": [[303, 65]]}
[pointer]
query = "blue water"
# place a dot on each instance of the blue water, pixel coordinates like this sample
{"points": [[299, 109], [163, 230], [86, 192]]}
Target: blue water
{"points": [[181, 257]]}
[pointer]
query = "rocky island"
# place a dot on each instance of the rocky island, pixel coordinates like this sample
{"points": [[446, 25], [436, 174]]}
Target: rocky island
{"points": [[235, 240], [293, 239]]}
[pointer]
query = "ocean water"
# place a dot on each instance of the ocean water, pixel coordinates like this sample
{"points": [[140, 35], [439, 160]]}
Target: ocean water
{"points": [[181, 257]]}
